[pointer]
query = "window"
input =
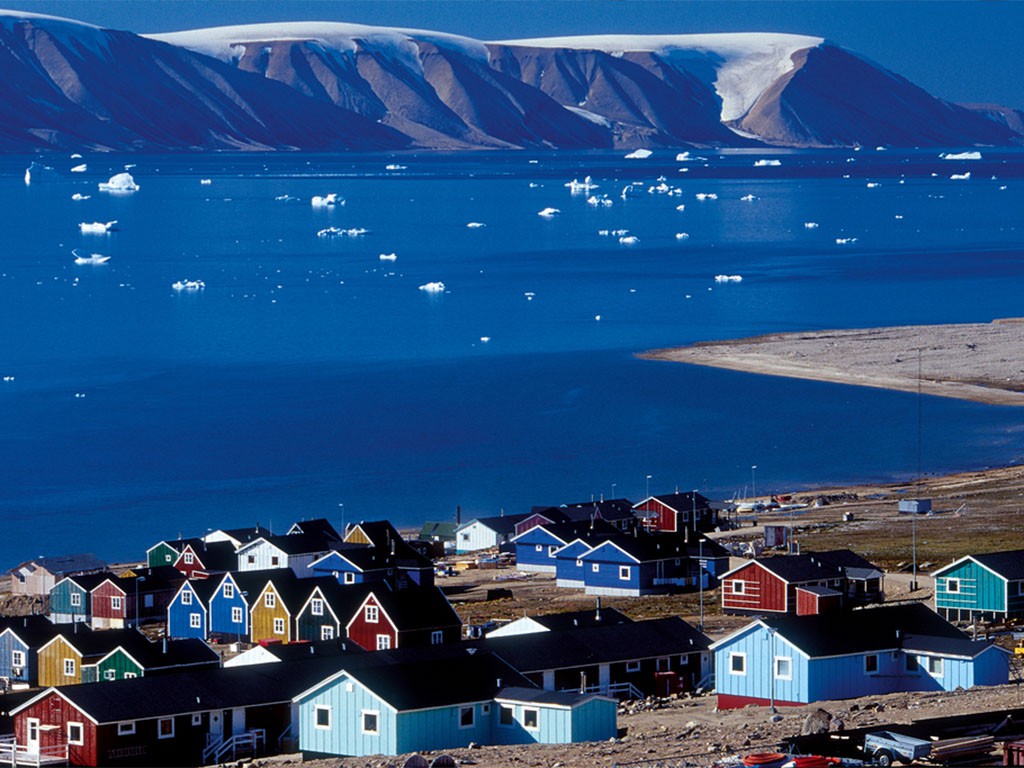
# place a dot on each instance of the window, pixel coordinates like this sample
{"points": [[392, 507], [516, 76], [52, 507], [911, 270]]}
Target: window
{"points": [[437, 637], [738, 587], [538, 548], [197, 718], [110, 674], [165, 728], [76, 733], [579, 563], [953, 586], [465, 537], [350, 578], [321, 716], [229, 591], [552, 550], [506, 716], [275, 561], [372, 614], [278, 626], [371, 720], [115, 603], [129, 675], [270, 600], [167, 559], [935, 666], [236, 615], [383, 642], [195, 620], [595, 567], [466, 716], [912, 663], [186, 598], [189, 558], [76, 599], [250, 559], [147, 601], [69, 667], [126, 729], [624, 572], [632, 666], [326, 632], [531, 718], [871, 664], [784, 667], [17, 658], [485, 708], [662, 664], [737, 663], [316, 607]]}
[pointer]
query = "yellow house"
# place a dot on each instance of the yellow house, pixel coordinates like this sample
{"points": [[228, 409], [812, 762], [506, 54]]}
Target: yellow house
{"points": [[271, 617], [60, 663]]}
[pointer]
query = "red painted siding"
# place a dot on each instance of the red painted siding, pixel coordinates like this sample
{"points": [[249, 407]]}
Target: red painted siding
{"points": [[810, 604], [188, 568], [531, 522], [102, 601], [665, 518], [55, 711], [364, 633], [762, 590]]}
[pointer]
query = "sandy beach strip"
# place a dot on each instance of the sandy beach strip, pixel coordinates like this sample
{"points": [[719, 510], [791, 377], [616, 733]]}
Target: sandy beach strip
{"points": [[983, 362]]}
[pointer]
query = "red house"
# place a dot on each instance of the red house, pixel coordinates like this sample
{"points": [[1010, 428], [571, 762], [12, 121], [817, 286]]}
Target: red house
{"points": [[109, 601], [404, 619], [201, 558], [771, 585], [674, 512]]}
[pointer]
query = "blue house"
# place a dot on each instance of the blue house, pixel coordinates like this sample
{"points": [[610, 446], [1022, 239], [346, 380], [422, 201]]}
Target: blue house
{"points": [[989, 586], [227, 609], [569, 570], [354, 564], [187, 614], [69, 598], [868, 651], [537, 548], [379, 705], [19, 639]]}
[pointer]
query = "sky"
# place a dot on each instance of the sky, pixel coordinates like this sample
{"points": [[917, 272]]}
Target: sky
{"points": [[965, 51]]}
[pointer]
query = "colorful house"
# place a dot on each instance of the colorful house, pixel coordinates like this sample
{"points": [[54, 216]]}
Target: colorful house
{"points": [[204, 557], [227, 609], [354, 564], [486, 532], [616, 512], [326, 612], [537, 547], [38, 577], [988, 586], [676, 512], [20, 637], [409, 618], [769, 585], [188, 614], [318, 526], [569, 569], [394, 708], [785, 660], [69, 598], [295, 551]]}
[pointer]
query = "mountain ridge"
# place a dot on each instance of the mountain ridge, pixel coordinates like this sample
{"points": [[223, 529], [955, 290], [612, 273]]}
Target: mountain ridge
{"points": [[333, 86]]}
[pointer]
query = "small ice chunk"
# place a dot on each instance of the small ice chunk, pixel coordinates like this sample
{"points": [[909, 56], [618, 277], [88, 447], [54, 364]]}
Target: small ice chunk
{"points": [[326, 201], [706, 196], [873, 185], [681, 207], [599, 200], [577, 187], [845, 240], [748, 198], [188, 286], [80, 196], [549, 213], [119, 182], [960, 176], [810, 225], [388, 257], [475, 225], [639, 154], [8, 378], [96, 227], [286, 199], [682, 236], [529, 295], [395, 167], [898, 216], [629, 240], [485, 339], [683, 157], [94, 258], [728, 278], [597, 317], [766, 163], [76, 156], [961, 156], [79, 168], [206, 182], [339, 232], [435, 287]]}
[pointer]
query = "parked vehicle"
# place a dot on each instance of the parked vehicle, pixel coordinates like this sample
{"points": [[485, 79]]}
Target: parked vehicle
{"points": [[885, 747]]}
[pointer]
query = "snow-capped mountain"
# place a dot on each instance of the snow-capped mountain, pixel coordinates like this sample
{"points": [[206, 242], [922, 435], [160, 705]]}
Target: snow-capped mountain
{"points": [[332, 86]]}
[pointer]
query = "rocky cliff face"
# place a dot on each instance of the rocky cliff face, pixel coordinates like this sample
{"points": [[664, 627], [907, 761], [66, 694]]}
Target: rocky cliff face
{"points": [[348, 87]]}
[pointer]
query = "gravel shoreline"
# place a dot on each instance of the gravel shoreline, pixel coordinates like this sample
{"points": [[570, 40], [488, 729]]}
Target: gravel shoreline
{"points": [[983, 362]]}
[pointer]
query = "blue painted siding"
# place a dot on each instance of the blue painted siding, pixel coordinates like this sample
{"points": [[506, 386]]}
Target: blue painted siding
{"points": [[221, 608], [992, 667], [594, 720], [977, 589], [179, 615], [337, 566], [9, 644], [566, 571], [62, 611], [758, 650], [345, 737], [529, 557], [439, 728]]}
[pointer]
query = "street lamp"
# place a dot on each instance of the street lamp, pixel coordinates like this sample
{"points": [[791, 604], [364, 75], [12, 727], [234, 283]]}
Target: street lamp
{"points": [[137, 580], [613, 489], [649, 486], [342, 506], [753, 483]]}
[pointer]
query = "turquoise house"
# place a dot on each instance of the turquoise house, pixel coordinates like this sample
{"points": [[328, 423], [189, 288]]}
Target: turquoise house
{"points": [[870, 651], [373, 707], [989, 586]]}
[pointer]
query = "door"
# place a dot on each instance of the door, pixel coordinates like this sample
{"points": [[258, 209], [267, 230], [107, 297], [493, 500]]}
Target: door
{"points": [[32, 734], [216, 727]]}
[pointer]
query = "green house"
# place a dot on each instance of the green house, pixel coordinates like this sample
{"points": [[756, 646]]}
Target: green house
{"points": [[989, 586], [161, 553], [116, 665]]}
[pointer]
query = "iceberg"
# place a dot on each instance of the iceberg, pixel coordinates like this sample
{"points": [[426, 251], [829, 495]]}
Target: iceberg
{"points": [[681, 207], [548, 213], [960, 176], [286, 199], [388, 257], [485, 339], [79, 168], [339, 232], [326, 201], [206, 182], [873, 185], [529, 295], [629, 240], [80, 196], [119, 182], [96, 227], [599, 200], [766, 163], [577, 187], [682, 236], [475, 225], [395, 167], [639, 154], [961, 156], [845, 240], [683, 157], [94, 258], [188, 286], [706, 196], [435, 287], [748, 198], [728, 278]]}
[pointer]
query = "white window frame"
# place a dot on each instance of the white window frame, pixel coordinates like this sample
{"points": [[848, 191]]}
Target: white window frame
{"points": [[552, 549], [579, 562], [17, 658], [936, 666], [595, 567], [110, 674], [69, 667], [81, 733], [624, 572], [159, 728], [130, 675], [733, 656], [372, 614], [953, 586], [738, 586], [316, 606], [467, 710], [317, 711], [186, 597], [250, 559], [871, 656], [437, 637], [167, 559], [76, 599], [126, 728], [228, 591], [116, 603], [527, 711], [236, 615], [197, 718], [632, 666], [350, 578], [278, 625], [375, 714], [538, 547], [326, 632], [189, 558], [783, 667], [383, 642], [195, 620], [270, 600]]}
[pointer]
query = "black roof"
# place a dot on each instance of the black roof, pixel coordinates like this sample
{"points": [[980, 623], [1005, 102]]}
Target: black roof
{"points": [[569, 531], [300, 651], [33, 631], [538, 696], [556, 622], [862, 630], [216, 556], [1008, 564], [244, 535], [852, 564], [604, 509], [173, 653], [798, 568], [320, 526], [424, 608], [539, 651], [433, 529], [381, 533], [501, 524], [64, 565], [298, 543], [89, 581], [683, 502], [660, 546]]}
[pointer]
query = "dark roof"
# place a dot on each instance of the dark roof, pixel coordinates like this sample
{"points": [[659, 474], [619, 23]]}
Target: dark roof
{"points": [[64, 565], [538, 696], [502, 524], [569, 531], [646, 547], [853, 565], [158, 579], [364, 556], [946, 646], [93, 644], [412, 609], [299, 651], [245, 535], [605, 509], [173, 653], [344, 599], [820, 591], [438, 530], [556, 622], [297, 543], [216, 555], [251, 583], [683, 502], [797, 568], [33, 631], [1009, 564], [320, 526], [381, 533], [862, 630], [89, 581], [539, 651]]}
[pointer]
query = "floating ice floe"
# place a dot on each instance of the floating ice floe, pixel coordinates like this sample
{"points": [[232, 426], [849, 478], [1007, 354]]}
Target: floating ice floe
{"points": [[475, 225], [188, 286], [485, 339], [548, 213], [286, 199], [631, 189], [898, 216], [681, 207], [95, 258], [529, 295], [435, 287], [577, 187], [326, 201], [613, 232], [881, 149], [79, 168], [76, 156], [682, 236], [706, 196], [8, 378], [873, 184], [597, 317], [748, 198], [80, 196], [629, 240], [388, 257], [810, 225], [206, 182], [728, 278], [119, 182], [639, 154], [599, 200], [664, 189], [339, 232], [961, 155], [683, 157], [395, 167], [960, 176], [845, 240], [534, 185], [766, 163], [96, 227]]}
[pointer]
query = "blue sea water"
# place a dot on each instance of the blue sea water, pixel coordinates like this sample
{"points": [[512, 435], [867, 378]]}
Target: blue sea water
{"points": [[311, 378]]}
